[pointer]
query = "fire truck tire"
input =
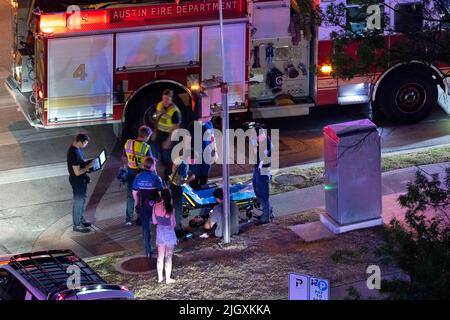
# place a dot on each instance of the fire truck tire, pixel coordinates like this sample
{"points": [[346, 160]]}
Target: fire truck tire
{"points": [[407, 97]]}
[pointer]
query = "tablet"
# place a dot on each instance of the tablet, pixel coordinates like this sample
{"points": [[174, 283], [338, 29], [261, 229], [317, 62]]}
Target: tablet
{"points": [[99, 161]]}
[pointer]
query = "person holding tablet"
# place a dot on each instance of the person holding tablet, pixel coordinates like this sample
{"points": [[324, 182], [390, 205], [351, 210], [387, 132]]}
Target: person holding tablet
{"points": [[78, 168]]}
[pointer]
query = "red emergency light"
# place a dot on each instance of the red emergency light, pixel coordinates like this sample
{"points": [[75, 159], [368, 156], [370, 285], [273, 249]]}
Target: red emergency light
{"points": [[64, 22], [48, 22]]}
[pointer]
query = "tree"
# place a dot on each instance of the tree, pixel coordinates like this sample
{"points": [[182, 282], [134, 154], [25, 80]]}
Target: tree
{"points": [[421, 245], [424, 26]]}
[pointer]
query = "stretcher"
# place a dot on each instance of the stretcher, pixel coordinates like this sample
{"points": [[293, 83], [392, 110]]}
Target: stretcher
{"points": [[241, 194]]}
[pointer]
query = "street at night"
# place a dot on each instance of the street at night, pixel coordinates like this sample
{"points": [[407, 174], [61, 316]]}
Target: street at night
{"points": [[329, 223]]}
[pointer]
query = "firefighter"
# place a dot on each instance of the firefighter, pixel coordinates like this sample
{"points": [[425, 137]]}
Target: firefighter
{"points": [[134, 153], [261, 173], [167, 119], [146, 191]]}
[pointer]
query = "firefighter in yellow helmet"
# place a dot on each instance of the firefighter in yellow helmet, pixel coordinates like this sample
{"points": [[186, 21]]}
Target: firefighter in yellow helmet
{"points": [[134, 153], [167, 120]]}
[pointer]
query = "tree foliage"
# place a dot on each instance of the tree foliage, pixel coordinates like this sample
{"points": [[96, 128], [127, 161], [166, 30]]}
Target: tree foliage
{"points": [[378, 48], [421, 245]]}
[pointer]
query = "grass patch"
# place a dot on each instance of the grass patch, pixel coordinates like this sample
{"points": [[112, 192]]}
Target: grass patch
{"points": [[255, 265], [346, 256], [314, 176], [434, 155]]}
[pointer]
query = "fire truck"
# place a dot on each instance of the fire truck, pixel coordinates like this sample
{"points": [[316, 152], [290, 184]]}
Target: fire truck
{"points": [[77, 63]]}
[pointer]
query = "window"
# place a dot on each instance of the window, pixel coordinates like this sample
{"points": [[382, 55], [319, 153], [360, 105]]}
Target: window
{"points": [[408, 17], [10, 287], [357, 15], [5, 280], [149, 49]]}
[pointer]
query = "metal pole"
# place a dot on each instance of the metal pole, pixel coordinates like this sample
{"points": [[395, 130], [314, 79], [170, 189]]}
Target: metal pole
{"points": [[225, 143]]}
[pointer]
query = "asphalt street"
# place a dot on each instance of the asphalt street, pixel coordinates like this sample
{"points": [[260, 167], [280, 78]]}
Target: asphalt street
{"points": [[34, 189]]}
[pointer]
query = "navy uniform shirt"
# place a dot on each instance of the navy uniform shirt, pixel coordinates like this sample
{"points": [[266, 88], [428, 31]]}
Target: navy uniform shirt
{"points": [[147, 180], [147, 183]]}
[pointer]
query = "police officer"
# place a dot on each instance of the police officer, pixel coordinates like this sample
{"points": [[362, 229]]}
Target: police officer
{"points": [[146, 190], [261, 173], [168, 119], [134, 153]]}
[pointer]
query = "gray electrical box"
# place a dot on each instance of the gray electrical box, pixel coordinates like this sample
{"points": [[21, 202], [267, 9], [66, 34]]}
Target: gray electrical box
{"points": [[352, 179]]}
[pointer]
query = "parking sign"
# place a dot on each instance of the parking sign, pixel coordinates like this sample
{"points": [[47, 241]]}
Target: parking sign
{"points": [[303, 287], [318, 289], [298, 287]]}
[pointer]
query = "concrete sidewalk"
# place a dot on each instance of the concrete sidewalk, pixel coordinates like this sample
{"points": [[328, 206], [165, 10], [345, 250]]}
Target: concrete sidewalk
{"points": [[107, 209]]}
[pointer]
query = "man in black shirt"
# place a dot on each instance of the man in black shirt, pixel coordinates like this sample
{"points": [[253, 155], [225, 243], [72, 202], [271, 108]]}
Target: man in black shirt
{"points": [[78, 178]]}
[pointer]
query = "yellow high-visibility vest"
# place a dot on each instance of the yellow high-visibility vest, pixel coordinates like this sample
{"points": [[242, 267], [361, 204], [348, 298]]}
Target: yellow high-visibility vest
{"points": [[136, 157], [165, 123]]}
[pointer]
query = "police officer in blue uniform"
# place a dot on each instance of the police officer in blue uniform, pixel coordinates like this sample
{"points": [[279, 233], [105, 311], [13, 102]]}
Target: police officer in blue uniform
{"points": [[146, 190]]}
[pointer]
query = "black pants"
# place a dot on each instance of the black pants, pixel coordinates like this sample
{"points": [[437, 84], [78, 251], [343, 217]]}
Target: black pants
{"points": [[177, 198], [145, 213]]}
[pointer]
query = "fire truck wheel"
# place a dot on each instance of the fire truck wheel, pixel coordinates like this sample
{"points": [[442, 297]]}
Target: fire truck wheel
{"points": [[407, 97]]}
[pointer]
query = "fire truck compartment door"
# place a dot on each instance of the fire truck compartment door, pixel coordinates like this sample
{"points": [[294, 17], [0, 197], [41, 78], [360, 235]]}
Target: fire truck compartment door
{"points": [[235, 58], [80, 78]]}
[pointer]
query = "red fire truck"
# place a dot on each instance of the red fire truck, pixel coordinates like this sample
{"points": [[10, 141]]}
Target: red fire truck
{"points": [[100, 62]]}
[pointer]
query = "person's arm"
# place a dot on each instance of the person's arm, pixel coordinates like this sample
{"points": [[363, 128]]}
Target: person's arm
{"points": [[136, 190], [124, 159], [176, 120], [79, 171], [153, 214], [173, 221], [159, 184], [136, 196], [191, 177]]}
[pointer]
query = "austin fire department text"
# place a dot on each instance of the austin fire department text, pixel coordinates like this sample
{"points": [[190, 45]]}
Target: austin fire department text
{"points": [[168, 10]]}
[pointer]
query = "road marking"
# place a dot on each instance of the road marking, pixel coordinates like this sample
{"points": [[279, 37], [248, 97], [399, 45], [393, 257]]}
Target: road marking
{"points": [[33, 135], [33, 173]]}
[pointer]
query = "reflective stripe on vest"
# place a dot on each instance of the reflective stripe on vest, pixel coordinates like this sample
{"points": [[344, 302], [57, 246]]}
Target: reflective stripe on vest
{"points": [[136, 158], [165, 123]]}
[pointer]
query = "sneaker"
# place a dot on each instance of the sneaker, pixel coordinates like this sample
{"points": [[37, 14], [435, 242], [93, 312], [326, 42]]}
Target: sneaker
{"points": [[86, 223], [81, 229], [128, 223]]}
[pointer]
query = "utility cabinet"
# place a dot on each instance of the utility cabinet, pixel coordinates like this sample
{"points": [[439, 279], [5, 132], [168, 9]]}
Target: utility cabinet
{"points": [[352, 180]]}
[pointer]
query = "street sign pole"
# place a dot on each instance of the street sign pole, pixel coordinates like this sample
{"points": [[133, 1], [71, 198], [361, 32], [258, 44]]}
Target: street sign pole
{"points": [[225, 143]]}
